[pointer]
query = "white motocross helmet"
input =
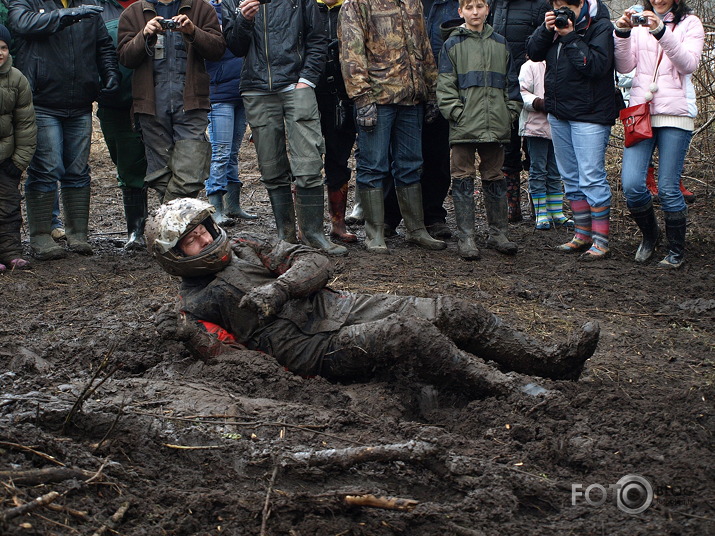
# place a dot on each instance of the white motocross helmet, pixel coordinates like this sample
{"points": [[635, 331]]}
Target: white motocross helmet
{"points": [[174, 220]]}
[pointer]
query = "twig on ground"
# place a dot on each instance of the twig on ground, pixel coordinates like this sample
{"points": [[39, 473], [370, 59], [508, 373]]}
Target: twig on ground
{"points": [[33, 477], [114, 521], [266, 513], [26, 508], [388, 503], [410, 450], [42, 455]]}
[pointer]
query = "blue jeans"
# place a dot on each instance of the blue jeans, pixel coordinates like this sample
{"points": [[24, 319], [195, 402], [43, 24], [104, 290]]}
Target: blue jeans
{"points": [[394, 145], [673, 144], [580, 150], [544, 176], [227, 125], [62, 153]]}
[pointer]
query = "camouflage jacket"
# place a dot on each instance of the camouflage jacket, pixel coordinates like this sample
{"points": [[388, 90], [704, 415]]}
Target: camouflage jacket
{"points": [[385, 51]]}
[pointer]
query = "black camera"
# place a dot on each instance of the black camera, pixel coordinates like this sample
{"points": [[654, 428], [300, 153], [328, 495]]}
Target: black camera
{"points": [[168, 24], [639, 20], [563, 16]]}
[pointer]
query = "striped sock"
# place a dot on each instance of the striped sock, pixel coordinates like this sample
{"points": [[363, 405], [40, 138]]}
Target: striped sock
{"points": [[600, 220], [541, 212], [555, 206]]}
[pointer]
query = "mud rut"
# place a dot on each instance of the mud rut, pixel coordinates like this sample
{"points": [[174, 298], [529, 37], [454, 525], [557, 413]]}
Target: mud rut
{"points": [[169, 445]]}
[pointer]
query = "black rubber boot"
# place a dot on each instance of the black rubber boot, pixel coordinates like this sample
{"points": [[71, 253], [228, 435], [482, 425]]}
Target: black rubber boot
{"points": [[310, 209], [495, 205], [135, 212], [463, 199], [648, 224], [232, 202], [76, 208], [675, 227], [39, 221], [372, 201], [513, 196], [410, 200], [284, 213]]}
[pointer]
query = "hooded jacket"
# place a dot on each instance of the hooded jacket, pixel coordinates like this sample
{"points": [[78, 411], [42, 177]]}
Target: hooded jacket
{"points": [[281, 45], [18, 130], [516, 20], [682, 48], [533, 122], [579, 80], [386, 55], [475, 89], [65, 65]]}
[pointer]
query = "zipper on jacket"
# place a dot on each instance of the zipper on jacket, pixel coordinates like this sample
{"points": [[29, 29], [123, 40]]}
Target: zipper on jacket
{"points": [[265, 41]]}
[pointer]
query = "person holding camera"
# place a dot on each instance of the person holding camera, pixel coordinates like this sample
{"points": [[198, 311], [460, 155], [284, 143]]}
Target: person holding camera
{"points": [[663, 43], [576, 40], [166, 43]]}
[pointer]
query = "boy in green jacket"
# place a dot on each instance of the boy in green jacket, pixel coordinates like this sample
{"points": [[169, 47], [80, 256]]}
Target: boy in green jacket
{"points": [[478, 93]]}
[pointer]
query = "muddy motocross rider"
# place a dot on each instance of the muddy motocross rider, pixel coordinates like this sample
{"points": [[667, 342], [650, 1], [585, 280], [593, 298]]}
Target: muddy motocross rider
{"points": [[272, 297]]}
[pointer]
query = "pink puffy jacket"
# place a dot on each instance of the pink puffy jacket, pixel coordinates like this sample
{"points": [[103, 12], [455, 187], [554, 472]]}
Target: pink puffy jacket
{"points": [[682, 47]]}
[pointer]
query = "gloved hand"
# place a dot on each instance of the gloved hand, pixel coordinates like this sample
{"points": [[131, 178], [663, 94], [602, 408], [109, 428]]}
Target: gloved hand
{"points": [[266, 300], [367, 117], [538, 104], [70, 15], [10, 169], [431, 112], [111, 86], [172, 323]]}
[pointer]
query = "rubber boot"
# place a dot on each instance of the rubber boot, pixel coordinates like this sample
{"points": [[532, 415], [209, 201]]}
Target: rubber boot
{"points": [[555, 208], [463, 200], [648, 224], [310, 207], [356, 217], [675, 226], [478, 331], [284, 212], [687, 194], [135, 212], [651, 184], [76, 204], [513, 196], [495, 205], [582, 228], [410, 200], [337, 202], [372, 201], [216, 201], [190, 163], [541, 213], [232, 203], [39, 221]]}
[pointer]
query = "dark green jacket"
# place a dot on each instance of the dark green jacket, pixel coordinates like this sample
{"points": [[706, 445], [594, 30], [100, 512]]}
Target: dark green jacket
{"points": [[475, 89]]}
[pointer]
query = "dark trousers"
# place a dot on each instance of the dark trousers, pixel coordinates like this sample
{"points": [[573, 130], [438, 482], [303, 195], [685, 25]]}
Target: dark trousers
{"points": [[10, 218], [125, 145], [338, 143]]}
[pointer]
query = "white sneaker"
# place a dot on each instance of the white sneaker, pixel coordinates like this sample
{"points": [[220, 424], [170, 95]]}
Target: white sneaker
{"points": [[58, 233]]}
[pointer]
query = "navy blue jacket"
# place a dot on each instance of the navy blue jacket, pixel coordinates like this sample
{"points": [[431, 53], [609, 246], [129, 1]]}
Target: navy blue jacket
{"points": [[440, 12], [225, 74], [516, 20]]}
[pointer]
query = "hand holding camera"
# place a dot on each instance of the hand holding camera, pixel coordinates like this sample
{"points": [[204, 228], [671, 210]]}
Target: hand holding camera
{"points": [[159, 25], [563, 17], [636, 16]]}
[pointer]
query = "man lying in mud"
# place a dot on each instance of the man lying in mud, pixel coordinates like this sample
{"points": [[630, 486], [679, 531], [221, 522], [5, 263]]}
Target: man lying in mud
{"points": [[272, 297]]}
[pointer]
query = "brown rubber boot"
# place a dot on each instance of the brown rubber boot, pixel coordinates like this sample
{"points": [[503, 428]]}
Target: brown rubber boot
{"points": [[337, 202]]}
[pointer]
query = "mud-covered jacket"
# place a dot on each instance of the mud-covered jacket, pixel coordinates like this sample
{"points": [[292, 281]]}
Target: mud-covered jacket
{"points": [[18, 130], [282, 44], [136, 52], [516, 20], [65, 65], [386, 55], [579, 80], [475, 88]]}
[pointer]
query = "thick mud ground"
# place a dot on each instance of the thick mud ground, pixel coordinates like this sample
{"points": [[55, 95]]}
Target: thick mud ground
{"points": [[644, 405]]}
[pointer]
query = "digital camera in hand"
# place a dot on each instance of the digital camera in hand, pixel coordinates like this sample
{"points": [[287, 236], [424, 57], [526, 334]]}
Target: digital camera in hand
{"points": [[563, 16], [168, 24], [639, 20]]}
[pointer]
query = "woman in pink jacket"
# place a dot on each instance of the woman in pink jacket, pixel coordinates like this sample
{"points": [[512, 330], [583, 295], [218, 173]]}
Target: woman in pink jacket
{"points": [[664, 48]]}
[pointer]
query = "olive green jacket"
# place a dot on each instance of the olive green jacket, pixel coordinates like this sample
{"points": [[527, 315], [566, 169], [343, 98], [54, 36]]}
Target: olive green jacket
{"points": [[477, 89], [18, 130]]}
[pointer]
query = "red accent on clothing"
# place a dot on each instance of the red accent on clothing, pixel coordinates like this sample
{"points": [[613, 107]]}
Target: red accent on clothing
{"points": [[221, 334], [126, 3]]}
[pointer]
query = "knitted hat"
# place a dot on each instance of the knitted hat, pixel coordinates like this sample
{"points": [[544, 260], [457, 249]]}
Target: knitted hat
{"points": [[5, 35]]}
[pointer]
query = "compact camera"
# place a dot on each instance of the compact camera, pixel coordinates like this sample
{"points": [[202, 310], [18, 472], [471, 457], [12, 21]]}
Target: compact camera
{"points": [[563, 16], [168, 24], [639, 20]]}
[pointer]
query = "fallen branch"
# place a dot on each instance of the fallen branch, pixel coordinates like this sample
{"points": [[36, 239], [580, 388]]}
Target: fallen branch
{"points": [[409, 451], [388, 503], [114, 521], [33, 477], [42, 455], [196, 447], [26, 508]]}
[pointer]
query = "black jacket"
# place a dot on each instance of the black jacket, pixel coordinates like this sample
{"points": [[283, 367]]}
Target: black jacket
{"points": [[331, 80], [65, 66], [579, 83], [516, 20], [283, 43]]}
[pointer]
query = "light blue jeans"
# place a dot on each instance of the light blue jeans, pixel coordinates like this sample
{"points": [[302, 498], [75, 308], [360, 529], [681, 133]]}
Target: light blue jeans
{"points": [[673, 144], [544, 176], [62, 153], [227, 125], [393, 146], [580, 150]]}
